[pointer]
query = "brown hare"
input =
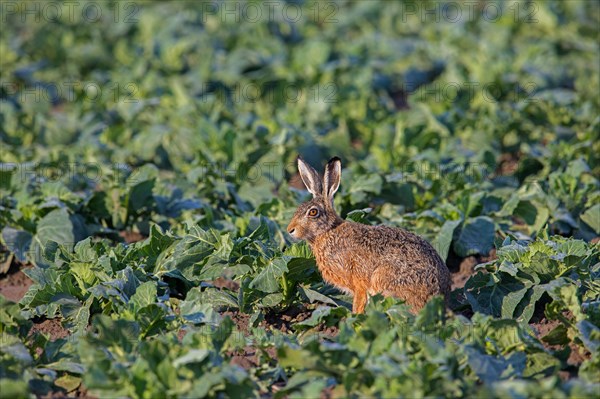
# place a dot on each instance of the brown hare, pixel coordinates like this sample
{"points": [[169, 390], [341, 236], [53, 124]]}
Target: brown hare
{"points": [[365, 260]]}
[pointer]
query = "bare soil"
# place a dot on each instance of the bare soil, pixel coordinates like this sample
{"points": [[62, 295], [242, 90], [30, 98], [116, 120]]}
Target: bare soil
{"points": [[508, 164], [246, 359], [543, 326], [284, 321], [463, 268], [131, 236], [222, 282], [241, 320], [15, 283], [51, 327], [80, 392], [13, 286]]}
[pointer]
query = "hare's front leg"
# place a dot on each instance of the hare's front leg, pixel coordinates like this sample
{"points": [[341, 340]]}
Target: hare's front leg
{"points": [[359, 302]]}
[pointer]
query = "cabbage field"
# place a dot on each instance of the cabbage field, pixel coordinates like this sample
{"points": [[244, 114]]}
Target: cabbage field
{"points": [[148, 173]]}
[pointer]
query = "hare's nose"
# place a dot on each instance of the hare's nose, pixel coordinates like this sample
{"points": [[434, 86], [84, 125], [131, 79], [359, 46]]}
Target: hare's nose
{"points": [[291, 228]]}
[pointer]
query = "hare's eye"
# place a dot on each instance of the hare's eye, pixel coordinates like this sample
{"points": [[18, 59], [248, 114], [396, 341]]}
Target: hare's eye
{"points": [[313, 212]]}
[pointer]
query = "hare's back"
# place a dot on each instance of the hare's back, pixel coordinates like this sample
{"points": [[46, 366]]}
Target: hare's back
{"points": [[413, 258], [386, 239], [396, 256]]}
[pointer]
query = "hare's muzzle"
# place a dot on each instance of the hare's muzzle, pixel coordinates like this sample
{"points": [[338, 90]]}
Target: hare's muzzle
{"points": [[291, 229]]}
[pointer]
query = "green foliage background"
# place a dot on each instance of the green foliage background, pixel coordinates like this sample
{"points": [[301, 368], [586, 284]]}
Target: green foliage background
{"points": [[181, 122]]}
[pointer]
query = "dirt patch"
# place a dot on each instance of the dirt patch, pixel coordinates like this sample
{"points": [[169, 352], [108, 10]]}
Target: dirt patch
{"points": [[250, 357], [13, 286], [131, 236], [465, 270], [327, 331], [246, 359], [285, 320], [282, 321], [51, 327], [15, 283], [508, 164], [461, 269], [577, 355], [222, 282], [80, 392], [241, 320], [542, 328], [487, 258]]}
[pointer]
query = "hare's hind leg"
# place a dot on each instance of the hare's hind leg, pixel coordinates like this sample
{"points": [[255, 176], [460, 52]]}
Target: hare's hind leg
{"points": [[359, 302]]}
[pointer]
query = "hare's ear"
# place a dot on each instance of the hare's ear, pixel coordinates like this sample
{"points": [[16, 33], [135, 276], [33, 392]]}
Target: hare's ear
{"points": [[332, 178], [310, 177]]}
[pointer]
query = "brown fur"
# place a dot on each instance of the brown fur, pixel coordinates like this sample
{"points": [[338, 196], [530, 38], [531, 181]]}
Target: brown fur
{"points": [[366, 260]]}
